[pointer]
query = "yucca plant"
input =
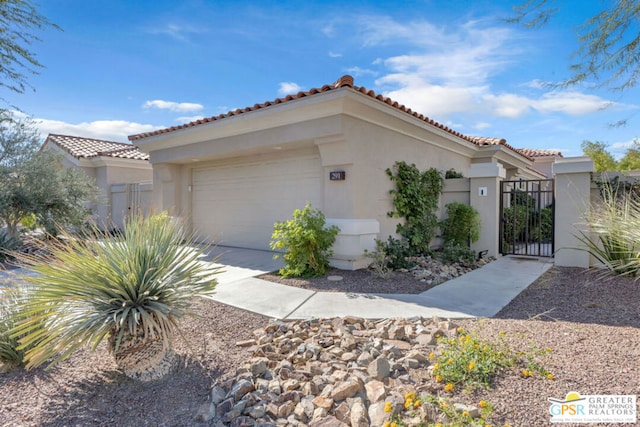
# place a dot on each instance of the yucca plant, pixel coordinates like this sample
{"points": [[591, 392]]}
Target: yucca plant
{"points": [[614, 231], [131, 288], [11, 303]]}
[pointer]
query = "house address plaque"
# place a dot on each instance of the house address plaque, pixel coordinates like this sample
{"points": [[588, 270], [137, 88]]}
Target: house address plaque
{"points": [[337, 175]]}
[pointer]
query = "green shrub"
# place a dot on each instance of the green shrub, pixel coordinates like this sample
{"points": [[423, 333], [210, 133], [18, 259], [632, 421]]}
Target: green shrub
{"points": [[131, 289], [306, 241], [380, 264], [542, 229], [462, 224], [452, 173], [514, 224], [29, 222], [398, 252], [415, 198], [453, 252], [8, 244]]}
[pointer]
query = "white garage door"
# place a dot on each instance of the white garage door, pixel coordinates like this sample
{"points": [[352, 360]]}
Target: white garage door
{"points": [[237, 204]]}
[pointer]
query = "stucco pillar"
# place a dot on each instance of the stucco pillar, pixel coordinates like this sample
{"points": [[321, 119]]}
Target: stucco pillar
{"points": [[573, 200], [484, 179]]}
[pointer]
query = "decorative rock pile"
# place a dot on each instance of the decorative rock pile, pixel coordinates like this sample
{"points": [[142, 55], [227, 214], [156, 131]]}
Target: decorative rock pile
{"points": [[433, 272], [330, 372]]}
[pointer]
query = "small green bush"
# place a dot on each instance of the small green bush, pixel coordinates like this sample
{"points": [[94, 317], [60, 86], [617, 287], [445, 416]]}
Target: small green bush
{"points": [[380, 265], [515, 223], [462, 225], [452, 174], [453, 252], [543, 225], [306, 241], [398, 252], [29, 222]]}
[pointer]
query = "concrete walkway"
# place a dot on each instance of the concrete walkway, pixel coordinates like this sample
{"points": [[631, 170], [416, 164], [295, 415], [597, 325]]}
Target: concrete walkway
{"points": [[480, 293]]}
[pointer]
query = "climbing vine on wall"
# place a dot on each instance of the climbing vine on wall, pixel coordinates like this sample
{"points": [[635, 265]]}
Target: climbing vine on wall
{"points": [[415, 198]]}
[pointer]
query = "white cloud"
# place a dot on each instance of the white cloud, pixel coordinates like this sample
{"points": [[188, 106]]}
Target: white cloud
{"points": [[572, 103], [624, 145], [177, 32], [451, 70], [329, 30], [111, 130], [383, 30], [334, 55], [433, 100], [536, 84], [178, 107], [482, 125], [357, 71], [507, 105], [288, 88]]}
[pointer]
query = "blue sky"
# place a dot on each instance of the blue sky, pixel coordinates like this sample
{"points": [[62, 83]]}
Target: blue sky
{"points": [[124, 67]]}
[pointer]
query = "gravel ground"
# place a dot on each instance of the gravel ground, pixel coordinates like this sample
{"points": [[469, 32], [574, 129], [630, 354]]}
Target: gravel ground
{"points": [[356, 281], [592, 326]]}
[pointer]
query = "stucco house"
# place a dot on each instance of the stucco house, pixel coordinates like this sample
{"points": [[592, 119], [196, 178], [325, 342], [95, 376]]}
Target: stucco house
{"points": [[120, 170], [233, 175]]}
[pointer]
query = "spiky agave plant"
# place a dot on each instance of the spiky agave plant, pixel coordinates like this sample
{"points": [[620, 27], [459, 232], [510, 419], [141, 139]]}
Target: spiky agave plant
{"points": [[11, 300], [132, 288], [613, 238]]}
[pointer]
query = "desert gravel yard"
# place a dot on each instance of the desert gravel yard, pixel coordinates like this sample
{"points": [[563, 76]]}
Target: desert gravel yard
{"points": [[590, 324]]}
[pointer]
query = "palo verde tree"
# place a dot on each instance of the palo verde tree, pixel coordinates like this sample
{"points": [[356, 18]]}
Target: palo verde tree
{"points": [[609, 43], [20, 22], [36, 183]]}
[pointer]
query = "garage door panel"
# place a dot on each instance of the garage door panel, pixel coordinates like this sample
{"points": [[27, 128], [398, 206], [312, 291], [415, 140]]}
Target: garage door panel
{"points": [[237, 205]]}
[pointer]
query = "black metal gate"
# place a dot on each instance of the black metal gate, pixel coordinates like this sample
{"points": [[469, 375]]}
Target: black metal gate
{"points": [[527, 214]]}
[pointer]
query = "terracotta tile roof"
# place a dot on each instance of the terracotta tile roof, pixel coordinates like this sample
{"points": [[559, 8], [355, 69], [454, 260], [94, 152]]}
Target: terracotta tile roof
{"points": [[344, 81], [483, 140], [536, 152], [87, 148]]}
